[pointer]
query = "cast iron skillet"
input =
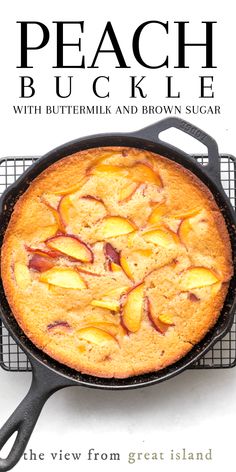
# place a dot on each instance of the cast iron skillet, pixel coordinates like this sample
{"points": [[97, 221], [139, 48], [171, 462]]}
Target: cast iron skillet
{"points": [[50, 376]]}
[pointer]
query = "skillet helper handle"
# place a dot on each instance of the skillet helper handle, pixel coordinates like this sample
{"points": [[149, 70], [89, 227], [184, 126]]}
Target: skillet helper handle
{"points": [[24, 418], [213, 167]]}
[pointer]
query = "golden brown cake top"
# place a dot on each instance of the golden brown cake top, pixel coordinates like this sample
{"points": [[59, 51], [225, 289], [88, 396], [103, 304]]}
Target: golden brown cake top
{"points": [[116, 261]]}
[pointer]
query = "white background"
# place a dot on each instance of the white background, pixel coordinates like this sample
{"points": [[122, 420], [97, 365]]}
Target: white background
{"points": [[196, 410]]}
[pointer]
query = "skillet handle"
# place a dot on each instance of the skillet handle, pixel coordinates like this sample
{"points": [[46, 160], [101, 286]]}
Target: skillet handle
{"points": [[23, 419], [152, 132]]}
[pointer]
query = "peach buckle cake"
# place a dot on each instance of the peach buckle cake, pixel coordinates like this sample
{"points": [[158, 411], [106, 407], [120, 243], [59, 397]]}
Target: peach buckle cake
{"points": [[116, 261]]}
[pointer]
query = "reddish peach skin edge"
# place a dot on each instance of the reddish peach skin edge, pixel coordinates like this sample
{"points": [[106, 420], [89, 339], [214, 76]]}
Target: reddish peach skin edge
{"points": [[111, 255], [42, 252]]}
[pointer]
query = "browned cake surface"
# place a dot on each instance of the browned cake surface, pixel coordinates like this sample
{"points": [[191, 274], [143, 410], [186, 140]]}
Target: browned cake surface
{"points": [[116, 261]]}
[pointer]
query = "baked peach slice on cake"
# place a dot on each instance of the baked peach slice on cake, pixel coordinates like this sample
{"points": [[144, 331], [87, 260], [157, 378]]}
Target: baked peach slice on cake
{"points": [[161, 322], [139, 172], [111, 299], [70, 207], [109, 170], [95, 335], [95, 204], [105, 158], [22, 275], [50, 200], [194, 222], [184, 230], [144, 173], [183, 214], [162, 237], [113, 226], [107, 326], [45, 252], [126, 266], [112, 305], [117, 262], [41, 234], [126, 192], [53, 202], [132, 308], [158, 212], [72, 246], [71, 189], [66, 210], [64, 277], [197, 277]]}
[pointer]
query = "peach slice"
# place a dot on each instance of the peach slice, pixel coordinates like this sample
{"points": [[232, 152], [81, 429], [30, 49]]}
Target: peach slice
{"points": [[162, 237], [112, 226], [58, 220], [110, 328], [144, 252], [127, 191], [143, 173], [22, 275], [113, 257], [115, 267], [181, 215], [41, 252], [197, 224], [112, 305], [110, 170], [40, 263], [157, 214], [106, 155], [72, 189], [131, 238], [155, 319], [53, 203], [126, 267], [95, 336], [151, 160], [184, 230], [45, 232], [166, 318], [103, 157], [64, 277], [215, 288], [111, 299], [51, 200], [197, 277], [70, 204], [133, 308], [66, 210], [96, 204], [117, 292], [71, 246]]}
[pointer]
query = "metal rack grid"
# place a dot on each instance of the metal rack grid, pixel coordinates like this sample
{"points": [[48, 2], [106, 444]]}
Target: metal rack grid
{"points": [[222, 355]]}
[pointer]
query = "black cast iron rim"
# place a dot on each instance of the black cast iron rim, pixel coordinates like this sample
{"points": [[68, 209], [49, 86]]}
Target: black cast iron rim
{"points": [[137, 139]]}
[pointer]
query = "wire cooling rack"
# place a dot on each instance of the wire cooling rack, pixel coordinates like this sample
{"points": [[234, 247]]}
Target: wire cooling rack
{"points": [[222, 355]]}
